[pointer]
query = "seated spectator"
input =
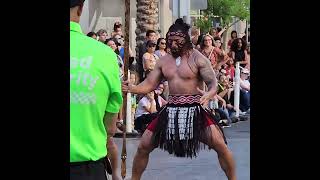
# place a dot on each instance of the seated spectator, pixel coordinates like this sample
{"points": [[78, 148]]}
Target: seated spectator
{"points": [[230, 69], [146, 111], [159, 96], [244, 104], [244, 91], [134, 81], [225, 90]]}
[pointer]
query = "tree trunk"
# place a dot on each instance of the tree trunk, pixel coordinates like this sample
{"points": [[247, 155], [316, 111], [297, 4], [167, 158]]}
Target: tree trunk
{"points": [[126, 66], [147, 19]]}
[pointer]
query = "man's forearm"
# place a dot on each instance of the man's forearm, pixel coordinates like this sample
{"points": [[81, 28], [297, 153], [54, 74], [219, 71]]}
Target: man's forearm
{"points": [[142, 88], [212, 88], [110, 120]]}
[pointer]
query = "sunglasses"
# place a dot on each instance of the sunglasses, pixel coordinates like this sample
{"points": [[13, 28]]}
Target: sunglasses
{"points": [[152, 45], [162, 43]]}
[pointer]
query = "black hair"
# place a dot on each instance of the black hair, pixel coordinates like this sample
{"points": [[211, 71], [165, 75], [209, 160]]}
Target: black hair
{"points": [[90, 34], [74, 3], [116, 26], [234, 32], [158, 42], [234, 45], [115, 42], [200, 38], [217, 38], [182, 27], [149, 32]]}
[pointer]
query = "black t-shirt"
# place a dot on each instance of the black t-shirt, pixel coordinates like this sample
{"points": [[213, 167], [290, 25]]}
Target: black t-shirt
{"points": [[239, 56]]}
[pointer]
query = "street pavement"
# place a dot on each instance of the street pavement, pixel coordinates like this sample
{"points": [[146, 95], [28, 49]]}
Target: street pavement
{"points": [[163, 166]]}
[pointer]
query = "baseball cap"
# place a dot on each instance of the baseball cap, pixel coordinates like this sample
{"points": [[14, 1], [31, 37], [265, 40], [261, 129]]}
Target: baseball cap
{"points": [[74, 3]]}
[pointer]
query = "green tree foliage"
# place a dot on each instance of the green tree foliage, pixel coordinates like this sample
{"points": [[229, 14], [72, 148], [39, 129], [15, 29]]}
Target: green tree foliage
{"points": [[225, 9]]}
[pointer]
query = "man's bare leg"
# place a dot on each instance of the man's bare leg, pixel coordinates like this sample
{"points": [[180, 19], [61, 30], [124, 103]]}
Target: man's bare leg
{"points": [[113, 156], [141, 158], [224, 154]]}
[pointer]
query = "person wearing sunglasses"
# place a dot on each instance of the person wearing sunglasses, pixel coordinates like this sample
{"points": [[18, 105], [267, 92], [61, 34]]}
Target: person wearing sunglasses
{"points": [[161, 48], [149, 58]]}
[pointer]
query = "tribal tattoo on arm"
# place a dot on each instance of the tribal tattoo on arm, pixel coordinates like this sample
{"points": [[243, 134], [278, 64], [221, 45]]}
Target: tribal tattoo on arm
{"points": [[206, 72]]}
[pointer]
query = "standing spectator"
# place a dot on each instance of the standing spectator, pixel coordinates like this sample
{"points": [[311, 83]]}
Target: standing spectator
{"points": [[195, 33], [248, 64], [213, 32], [150, 35], [200, 39], [149, 58], [161, 48], [92, 35], [217, 32], [224, 57], [234, 35], [117, 29], [94, 101], [208, 50], [114, 46], [239, 52], [102, 35]]}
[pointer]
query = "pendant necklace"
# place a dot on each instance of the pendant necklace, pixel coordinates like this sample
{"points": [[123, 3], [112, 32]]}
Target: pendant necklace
{"points": [[178, 61]]}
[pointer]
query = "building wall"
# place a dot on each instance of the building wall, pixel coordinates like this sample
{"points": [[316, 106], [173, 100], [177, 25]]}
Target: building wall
{"points": [[101, 14], [165, 16]]}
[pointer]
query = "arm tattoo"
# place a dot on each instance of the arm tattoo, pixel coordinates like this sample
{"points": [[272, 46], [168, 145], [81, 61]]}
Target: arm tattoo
{"points": [[206, 72]]}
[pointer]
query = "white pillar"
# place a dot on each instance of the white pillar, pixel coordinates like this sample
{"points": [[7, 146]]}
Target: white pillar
{"points": [[128, 111], [237, 89], [247, 33]]}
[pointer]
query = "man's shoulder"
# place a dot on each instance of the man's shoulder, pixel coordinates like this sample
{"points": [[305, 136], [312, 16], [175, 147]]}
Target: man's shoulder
{"points": [[197, 53], [199, 57]]}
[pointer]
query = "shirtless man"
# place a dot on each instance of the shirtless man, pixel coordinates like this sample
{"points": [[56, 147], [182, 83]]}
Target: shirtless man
{"points": [[183, 123]]}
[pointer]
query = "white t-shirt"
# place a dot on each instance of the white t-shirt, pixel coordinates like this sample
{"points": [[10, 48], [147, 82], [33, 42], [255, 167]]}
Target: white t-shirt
{"points": [[244, 83], [144, 102]]}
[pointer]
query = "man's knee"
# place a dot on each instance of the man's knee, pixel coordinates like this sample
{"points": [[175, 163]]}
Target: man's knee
{"points": [[221, 148], [144, 148], [111, 143]]}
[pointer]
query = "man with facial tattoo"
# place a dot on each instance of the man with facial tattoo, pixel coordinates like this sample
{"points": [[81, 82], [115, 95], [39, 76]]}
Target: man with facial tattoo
{"points": [[184, 122]]}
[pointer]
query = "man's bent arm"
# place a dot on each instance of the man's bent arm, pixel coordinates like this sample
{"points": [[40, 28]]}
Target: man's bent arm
{"points": [[150, 83]]}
